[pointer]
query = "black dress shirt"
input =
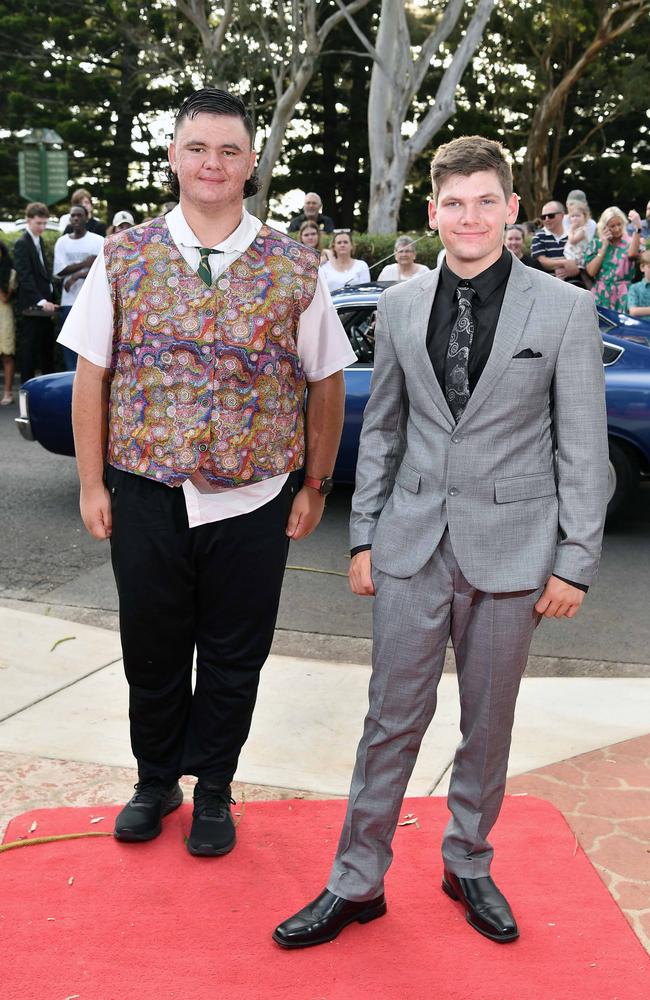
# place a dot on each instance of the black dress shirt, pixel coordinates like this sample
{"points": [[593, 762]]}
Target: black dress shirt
{"points": [[323, 222], [490, 287]]}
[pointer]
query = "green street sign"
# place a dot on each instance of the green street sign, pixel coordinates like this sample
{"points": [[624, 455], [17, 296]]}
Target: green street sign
{"points": [[43, 174]]}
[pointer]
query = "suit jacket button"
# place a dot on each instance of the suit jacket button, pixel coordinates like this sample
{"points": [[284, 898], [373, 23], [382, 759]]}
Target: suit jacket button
{"points": [[453, 491], [457, 438]]}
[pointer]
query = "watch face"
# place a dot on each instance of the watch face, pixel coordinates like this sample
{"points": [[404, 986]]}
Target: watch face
{"points": [[326, 486]]}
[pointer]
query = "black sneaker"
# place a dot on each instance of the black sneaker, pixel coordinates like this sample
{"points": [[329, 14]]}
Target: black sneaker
{"points": [[141, 816], [213, 831]]}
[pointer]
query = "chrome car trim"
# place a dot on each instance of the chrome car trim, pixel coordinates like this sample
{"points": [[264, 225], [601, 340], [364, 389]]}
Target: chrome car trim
{"points": [[23, 421], [613, 347], [25, 428]]}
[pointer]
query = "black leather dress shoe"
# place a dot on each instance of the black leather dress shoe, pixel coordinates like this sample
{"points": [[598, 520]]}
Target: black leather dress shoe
{"points": [[141, 817], [486, 908], [323, 918], [213, 830]]}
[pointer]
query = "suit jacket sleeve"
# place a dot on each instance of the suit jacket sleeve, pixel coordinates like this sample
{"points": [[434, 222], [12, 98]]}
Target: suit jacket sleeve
{"points": [[580, 421], [25, 276], [382, 441]]}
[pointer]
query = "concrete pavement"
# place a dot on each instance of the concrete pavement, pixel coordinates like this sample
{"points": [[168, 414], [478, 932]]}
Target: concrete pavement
{"points": [[64, 736]]}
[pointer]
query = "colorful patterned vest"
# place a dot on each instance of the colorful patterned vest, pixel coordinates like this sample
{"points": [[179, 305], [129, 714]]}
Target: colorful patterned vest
{"points": [[204, 377]]}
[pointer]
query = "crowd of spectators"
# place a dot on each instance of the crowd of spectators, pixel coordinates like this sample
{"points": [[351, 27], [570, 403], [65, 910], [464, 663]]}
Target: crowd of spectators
{"points": [[40, 295], [604, 256], [566, 242]]}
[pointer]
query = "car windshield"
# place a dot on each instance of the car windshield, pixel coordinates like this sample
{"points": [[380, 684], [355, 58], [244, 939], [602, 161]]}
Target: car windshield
{"points": [[637, 331]]}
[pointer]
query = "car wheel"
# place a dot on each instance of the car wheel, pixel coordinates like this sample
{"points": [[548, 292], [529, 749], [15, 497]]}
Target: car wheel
{"points": [[623, 480]]}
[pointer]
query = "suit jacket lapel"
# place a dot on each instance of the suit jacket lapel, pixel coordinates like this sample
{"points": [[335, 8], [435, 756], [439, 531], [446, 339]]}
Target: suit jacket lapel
{"points": [[517, 303], [419, 324]]}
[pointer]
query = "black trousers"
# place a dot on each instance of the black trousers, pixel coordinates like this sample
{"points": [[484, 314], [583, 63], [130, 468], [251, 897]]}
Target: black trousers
{"points": [[36, 346], [214, 589]]}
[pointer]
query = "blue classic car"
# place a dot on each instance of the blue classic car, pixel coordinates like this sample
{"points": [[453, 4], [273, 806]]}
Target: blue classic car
{"points": [[45, 401]]}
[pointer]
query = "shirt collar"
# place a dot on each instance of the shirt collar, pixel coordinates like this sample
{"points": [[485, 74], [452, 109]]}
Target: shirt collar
{"points": [[547, 232], [238, 241], [484, 283], [36, 239]]}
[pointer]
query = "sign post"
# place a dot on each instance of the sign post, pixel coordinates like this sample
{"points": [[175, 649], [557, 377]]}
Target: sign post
{"points": [[43, 172]]}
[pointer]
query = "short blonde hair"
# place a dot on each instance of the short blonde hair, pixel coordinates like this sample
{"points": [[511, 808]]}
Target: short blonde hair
{"points": [[468, 155], [613, 212]]}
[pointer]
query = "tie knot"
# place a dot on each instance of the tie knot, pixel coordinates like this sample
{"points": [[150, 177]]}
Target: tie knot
{"points": [[465, 291], [204, 270]]}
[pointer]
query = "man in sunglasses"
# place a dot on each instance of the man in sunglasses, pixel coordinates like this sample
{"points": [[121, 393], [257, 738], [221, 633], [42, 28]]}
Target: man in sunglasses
{"points": [[547, 248]]}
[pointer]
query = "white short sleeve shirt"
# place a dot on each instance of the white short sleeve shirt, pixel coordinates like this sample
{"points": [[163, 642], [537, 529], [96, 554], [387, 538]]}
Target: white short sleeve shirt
{"points": [[72, 251]]}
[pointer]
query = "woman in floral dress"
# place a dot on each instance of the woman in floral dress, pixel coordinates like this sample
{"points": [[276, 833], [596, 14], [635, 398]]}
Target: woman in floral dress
{"points": [[610, 258]]}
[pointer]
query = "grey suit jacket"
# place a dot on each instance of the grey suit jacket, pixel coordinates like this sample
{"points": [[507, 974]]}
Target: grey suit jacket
{"points": [[521, 480]]}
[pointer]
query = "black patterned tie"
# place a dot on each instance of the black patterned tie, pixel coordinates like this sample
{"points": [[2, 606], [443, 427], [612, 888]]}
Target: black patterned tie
{"points": [[204, 271], [457, 360]]}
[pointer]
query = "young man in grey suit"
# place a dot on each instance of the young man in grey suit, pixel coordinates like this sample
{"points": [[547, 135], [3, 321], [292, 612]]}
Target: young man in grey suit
{"points": [[479, 508]]}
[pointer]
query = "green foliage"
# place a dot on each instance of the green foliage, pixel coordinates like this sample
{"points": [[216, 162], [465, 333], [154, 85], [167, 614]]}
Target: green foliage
{"points": [[601, 128], [329, 153], [86, 71], [102, 73]]}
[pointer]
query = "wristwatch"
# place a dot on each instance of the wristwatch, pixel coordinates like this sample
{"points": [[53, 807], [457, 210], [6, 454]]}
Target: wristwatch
{"points": [[323, 486]]}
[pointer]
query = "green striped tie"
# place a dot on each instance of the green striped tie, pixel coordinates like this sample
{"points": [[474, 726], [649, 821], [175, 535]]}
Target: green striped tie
{"points": [[204, 271]]}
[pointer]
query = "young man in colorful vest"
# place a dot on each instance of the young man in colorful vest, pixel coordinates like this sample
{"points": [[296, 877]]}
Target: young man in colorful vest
{"points": [[197, 333]]}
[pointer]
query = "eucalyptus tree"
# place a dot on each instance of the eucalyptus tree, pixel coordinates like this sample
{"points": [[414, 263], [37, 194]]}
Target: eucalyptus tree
{"points": [[400, 125], [279, 43]]}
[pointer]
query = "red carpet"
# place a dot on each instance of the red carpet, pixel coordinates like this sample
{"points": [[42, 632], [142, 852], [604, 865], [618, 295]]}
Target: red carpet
{"points": [[97, 920]]}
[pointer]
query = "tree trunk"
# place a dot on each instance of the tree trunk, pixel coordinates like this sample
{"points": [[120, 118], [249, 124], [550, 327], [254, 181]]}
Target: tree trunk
{"points": [[301, 69], [383, 119], [282, 115], [349, 183], [395, 81], [386, 192], [122, 152]]}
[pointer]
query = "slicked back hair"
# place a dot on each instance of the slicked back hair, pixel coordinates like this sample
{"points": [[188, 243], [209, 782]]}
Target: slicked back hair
{"points": [[468, 155], [212, 101]]}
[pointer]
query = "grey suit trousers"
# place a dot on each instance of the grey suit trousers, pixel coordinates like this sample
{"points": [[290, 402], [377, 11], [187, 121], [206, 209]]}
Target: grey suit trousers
{"points": [[413, 620]]}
